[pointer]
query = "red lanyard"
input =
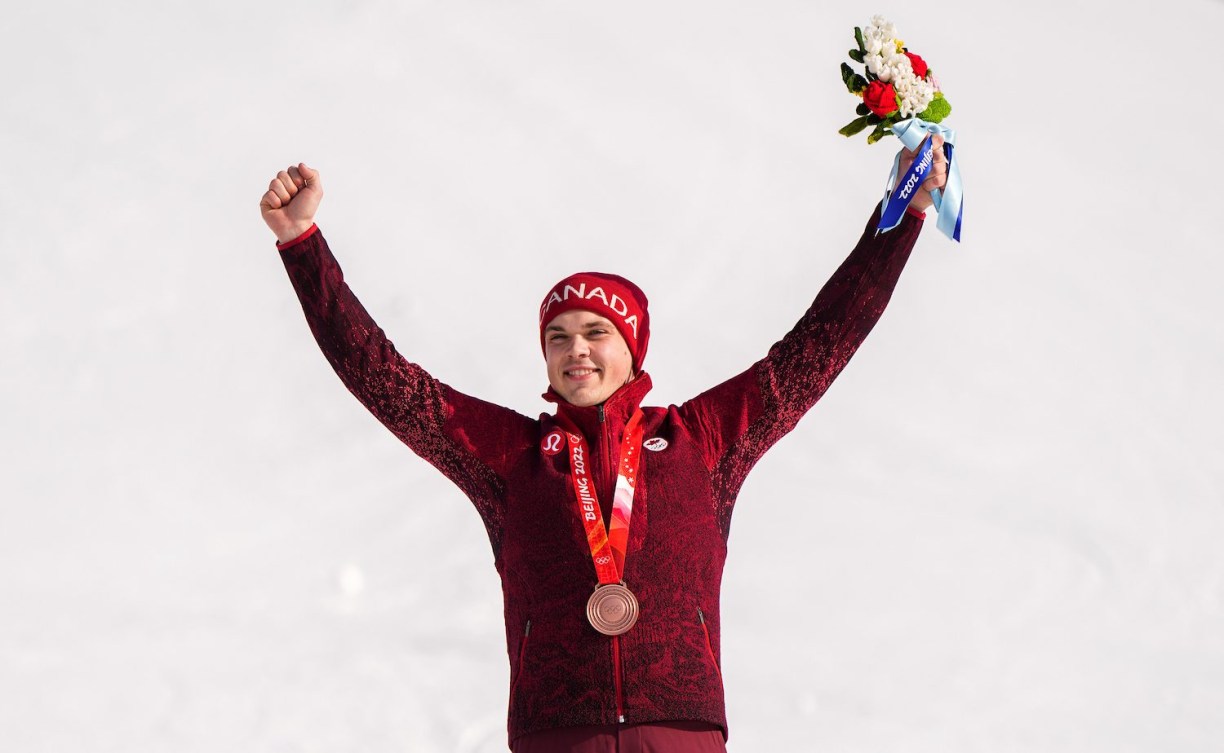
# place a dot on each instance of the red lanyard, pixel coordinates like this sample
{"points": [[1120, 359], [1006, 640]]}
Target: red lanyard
{"points": [[607, 546]]}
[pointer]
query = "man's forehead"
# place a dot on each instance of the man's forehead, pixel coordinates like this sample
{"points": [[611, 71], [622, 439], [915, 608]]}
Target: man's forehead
{"points": [[578, 319]]}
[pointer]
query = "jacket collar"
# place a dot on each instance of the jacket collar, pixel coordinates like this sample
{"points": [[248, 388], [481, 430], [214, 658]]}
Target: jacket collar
{"points": [[616, 410]]}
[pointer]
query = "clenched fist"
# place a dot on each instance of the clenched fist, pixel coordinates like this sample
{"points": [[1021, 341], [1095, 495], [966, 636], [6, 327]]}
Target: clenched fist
{"points": [[936, 178], [290, 203]]}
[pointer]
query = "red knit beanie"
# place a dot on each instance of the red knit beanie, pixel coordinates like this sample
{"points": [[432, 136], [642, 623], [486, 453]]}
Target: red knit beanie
{"points": [[610, 296]]}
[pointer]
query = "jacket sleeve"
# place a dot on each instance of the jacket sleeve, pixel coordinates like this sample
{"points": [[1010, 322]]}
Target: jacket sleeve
{"points": [[738, 420], [471, 441]]}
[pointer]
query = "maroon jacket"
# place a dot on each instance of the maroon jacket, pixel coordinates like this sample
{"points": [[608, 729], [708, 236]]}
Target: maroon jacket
{"points": [[563, 673]]}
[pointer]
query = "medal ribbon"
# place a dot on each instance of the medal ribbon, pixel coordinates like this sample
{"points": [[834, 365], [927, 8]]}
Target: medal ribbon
{"points": [[607, 545]]}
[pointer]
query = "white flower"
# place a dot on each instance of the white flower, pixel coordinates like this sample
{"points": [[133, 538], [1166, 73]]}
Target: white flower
{"points": [[914, 93], [893, 66], [873, 63], [880, 31]]}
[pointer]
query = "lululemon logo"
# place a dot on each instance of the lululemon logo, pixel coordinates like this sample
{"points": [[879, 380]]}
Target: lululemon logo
{"points": [[552, 443], [655, 444]]}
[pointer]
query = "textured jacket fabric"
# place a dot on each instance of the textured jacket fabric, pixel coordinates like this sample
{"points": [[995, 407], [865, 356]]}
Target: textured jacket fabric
{"points": [[564, 673], [670, 737]]}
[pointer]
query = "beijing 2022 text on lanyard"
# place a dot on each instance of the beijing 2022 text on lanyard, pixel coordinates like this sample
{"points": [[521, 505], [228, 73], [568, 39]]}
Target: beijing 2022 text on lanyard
{"points": [[613, 608]]}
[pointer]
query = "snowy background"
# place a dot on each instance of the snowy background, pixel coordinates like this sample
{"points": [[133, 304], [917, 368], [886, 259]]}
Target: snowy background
{"points": [[1001, 530]]}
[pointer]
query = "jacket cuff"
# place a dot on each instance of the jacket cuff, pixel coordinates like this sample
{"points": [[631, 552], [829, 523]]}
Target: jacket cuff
{"points": [[910, 211], [282, 246]]}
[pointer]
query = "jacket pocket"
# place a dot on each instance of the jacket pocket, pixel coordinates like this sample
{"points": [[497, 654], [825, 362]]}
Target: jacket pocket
{"points": [[518, 666], [705, 631]]}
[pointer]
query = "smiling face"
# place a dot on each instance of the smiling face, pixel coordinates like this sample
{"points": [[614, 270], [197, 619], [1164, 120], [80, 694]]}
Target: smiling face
{"points": [[587, 357]]}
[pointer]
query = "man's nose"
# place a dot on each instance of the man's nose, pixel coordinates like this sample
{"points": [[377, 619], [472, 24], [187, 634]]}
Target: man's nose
{"points": [[579, 347]]}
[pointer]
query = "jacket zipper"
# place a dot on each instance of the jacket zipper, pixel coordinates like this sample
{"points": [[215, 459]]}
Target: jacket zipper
{"points": [[709, 645], [617, 670], [522, 655], [606, 439], [616, 680]]}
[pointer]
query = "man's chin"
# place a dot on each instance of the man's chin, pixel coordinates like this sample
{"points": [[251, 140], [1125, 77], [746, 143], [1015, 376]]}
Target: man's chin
{"points": [[584, 398]]}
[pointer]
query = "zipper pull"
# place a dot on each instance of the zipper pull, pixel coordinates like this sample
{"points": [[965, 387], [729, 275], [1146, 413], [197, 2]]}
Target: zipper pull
{"points": [[700, 617], [601, 413]]}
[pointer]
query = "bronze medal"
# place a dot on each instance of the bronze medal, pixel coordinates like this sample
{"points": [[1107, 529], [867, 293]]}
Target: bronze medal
{"points": [[612, 609]]}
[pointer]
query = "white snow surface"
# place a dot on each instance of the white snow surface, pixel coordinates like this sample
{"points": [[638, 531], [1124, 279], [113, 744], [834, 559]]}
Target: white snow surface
{"points": [[1000, 530]]}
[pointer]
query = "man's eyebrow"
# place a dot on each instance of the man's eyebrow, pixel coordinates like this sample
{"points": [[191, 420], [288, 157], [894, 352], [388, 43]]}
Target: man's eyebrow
{"points": [[588, 325]]}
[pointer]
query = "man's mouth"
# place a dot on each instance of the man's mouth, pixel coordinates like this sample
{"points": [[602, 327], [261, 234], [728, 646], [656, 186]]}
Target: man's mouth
{"points": [[580, 373]]}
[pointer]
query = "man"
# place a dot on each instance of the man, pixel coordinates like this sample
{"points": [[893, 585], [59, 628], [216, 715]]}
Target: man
{"points": [[608, 520]]}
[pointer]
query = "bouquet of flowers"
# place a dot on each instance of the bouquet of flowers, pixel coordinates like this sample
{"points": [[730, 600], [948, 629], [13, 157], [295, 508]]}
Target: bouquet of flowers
{"points": [[898, 84]]}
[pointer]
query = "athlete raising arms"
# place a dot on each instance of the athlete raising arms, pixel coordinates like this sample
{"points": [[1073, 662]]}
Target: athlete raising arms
{"points": [[608, 520]]}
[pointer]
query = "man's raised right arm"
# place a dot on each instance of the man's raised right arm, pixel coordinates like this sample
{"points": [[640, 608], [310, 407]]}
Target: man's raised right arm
{"points": [[399, 393], [437, 422]]}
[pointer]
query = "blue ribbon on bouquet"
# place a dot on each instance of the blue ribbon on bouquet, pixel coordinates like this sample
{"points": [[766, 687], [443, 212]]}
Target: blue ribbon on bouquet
{"points": [[899, 192]]}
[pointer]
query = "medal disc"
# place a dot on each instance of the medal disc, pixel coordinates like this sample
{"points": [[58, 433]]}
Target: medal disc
{"points": [[612, 609]]}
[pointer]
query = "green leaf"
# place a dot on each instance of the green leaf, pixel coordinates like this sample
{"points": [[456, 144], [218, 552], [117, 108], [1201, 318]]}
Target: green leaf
{"points": [[937, 110], [856, 56], [854, 82], [881, 130], [862, 109], [853, 127], [874, 119], [858, 37]]}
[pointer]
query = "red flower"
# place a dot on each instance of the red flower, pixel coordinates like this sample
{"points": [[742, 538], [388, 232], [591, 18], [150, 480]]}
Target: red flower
{"points": [[919, 65], [880, 98]]}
